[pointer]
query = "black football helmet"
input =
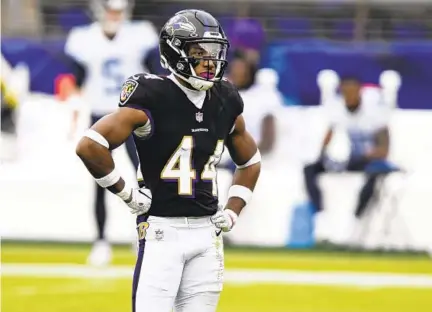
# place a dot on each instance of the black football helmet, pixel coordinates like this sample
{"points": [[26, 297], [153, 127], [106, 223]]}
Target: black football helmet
{"points": [[193, 28], [111, 13]]}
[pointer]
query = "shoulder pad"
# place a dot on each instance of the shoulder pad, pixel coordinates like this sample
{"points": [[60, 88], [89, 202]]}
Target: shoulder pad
{"points": [[146, 77], [138, 90], [226, 83], [372, 96], [232, 96], [75, 42]]}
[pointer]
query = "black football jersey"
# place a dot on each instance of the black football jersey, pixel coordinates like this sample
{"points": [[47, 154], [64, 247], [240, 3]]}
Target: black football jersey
{"points": [[179, 156]]}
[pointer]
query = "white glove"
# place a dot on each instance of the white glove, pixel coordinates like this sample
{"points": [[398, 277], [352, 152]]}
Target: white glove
{"points": [[224, 219], [140, 201]]}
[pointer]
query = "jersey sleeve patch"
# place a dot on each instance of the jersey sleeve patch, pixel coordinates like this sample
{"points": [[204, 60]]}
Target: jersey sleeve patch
{"points": [[127, 90]]}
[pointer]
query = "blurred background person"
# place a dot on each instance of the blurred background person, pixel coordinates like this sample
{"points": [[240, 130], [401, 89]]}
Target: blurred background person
{"points": [[7, 115], [9, 100], [260, 100], [360, 118], [102, 55], [14, 85], [246, 33]]}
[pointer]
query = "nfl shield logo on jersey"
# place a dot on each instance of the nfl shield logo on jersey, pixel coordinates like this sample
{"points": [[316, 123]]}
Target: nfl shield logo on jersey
{"points": [[199, 116]]}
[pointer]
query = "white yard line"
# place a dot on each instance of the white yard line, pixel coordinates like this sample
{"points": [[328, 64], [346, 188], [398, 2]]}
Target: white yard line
{"points": [[232, 276]]}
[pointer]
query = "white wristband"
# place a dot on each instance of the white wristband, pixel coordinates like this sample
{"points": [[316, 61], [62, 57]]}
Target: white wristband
{"points": [[125, 193], [240, 191], [109, 180]]}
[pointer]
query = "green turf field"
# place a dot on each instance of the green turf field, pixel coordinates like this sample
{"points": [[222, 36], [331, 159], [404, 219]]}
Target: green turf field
{"points": [[85, 294]]}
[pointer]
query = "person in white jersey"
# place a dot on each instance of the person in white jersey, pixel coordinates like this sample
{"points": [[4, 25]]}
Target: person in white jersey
{"points": [[103, 54], [362, 113], [261, 103]]}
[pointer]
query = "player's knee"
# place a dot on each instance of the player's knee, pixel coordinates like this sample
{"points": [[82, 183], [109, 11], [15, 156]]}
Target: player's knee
{"points": [[310, 171], [84, 147]]}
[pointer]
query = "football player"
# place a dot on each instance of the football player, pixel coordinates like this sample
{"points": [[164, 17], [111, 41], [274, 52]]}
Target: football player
{"points": [[180, 124], [103, 54], [363, 115]]}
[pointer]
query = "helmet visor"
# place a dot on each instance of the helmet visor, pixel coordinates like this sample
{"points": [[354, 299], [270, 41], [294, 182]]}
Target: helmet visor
{"points": [[207, 59]]}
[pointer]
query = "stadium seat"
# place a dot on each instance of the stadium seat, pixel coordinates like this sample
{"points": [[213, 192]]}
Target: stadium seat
{"points": [[409, 30], [295, 27], [343, 29], [72, 17]]}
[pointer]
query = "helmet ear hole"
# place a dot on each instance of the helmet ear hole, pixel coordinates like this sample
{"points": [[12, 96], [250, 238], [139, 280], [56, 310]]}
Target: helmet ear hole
{"points": [[181, 66]]}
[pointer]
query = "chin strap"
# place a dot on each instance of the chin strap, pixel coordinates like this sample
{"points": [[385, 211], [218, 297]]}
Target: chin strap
{"points": [[195, 83]]}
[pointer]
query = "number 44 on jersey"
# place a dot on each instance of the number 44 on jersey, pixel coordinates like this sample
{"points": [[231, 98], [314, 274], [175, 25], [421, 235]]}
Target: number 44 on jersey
{"points": [[179, 167]]}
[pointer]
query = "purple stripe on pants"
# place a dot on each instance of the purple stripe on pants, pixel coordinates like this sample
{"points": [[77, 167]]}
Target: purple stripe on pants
{"points": [[137, 271]]}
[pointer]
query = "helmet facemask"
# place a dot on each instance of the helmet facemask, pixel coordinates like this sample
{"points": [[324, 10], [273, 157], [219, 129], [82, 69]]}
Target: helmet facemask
{"points": [[201, 62]]}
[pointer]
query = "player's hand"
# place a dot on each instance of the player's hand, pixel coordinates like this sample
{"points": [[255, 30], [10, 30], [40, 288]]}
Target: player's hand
{"points": [[224, 219], [139, 201]]}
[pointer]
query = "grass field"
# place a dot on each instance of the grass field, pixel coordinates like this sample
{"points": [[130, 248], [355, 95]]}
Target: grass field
{"points": [[54, 278]]}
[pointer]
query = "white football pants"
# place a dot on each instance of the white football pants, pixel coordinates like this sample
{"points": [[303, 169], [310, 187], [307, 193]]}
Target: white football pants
{"points": [[180, 265]]}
